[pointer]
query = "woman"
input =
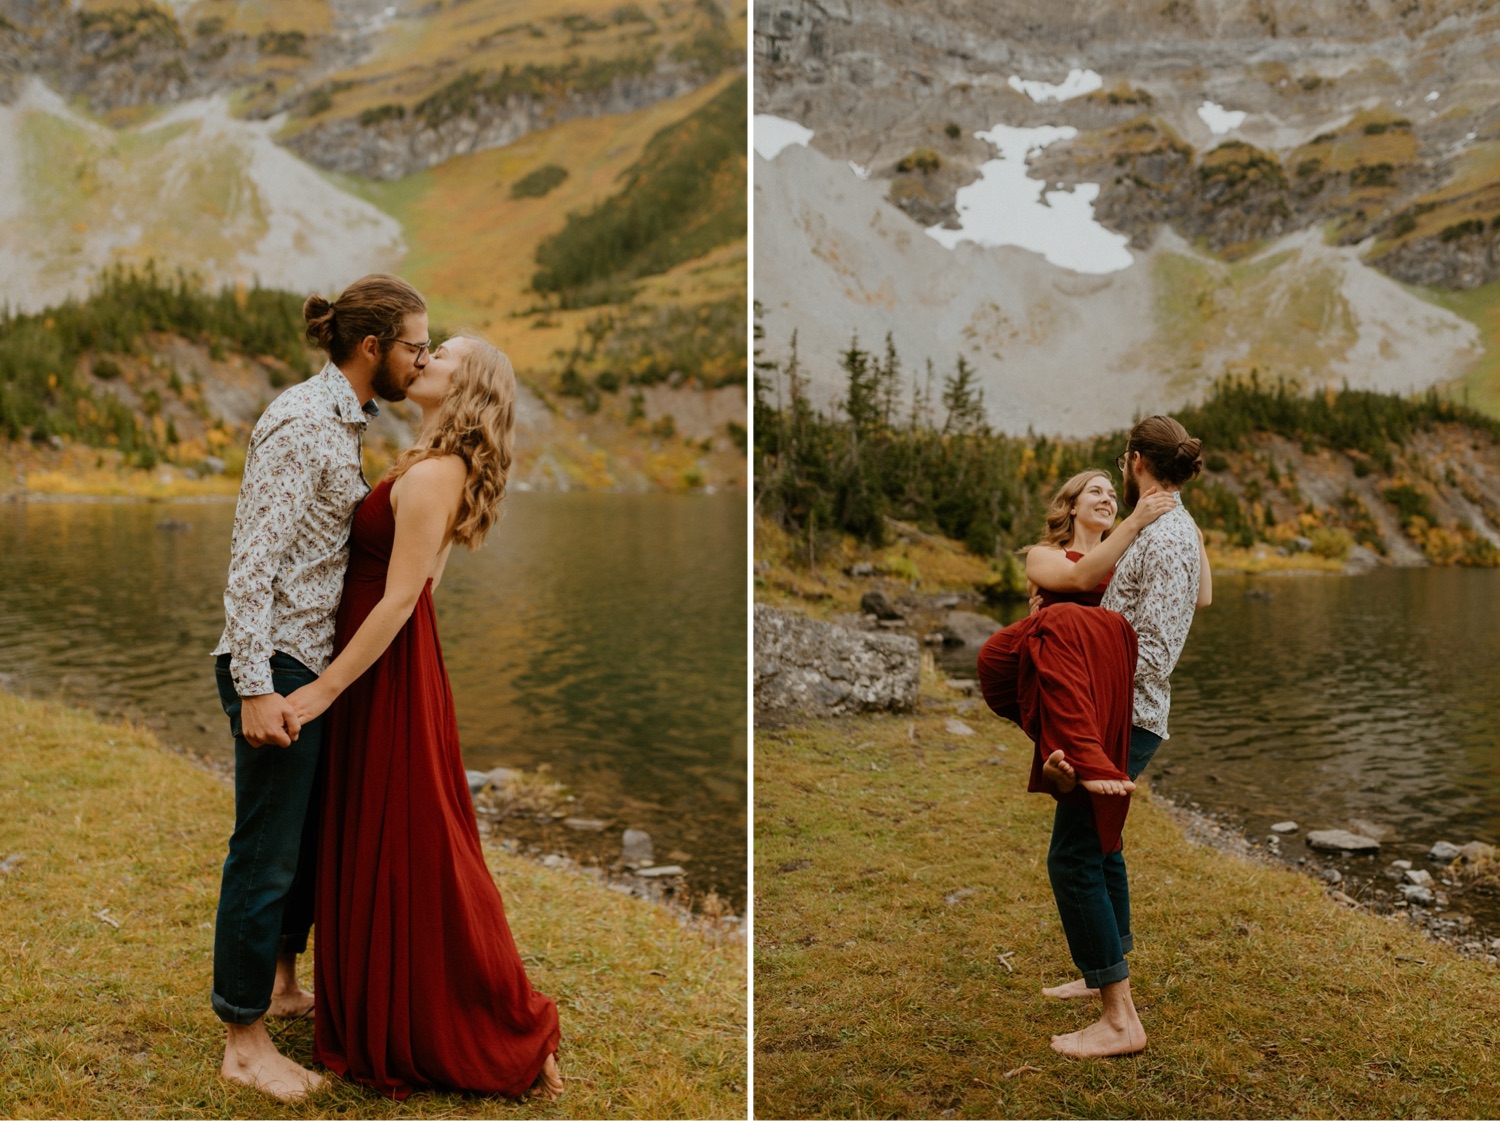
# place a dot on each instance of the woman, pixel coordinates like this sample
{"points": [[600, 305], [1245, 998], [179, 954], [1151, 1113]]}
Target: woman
{"points": [[418, 981], [1065, 673]]}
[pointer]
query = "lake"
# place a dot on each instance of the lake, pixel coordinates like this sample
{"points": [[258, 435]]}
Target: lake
{"points": [[1326, 700], [603, 635]]}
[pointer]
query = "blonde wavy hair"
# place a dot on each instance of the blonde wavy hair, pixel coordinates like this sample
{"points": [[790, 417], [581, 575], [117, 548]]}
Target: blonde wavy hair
{"points": [[1059, 530], [476, 422]]}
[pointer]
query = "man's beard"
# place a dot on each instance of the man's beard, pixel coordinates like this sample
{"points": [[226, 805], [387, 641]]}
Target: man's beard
{"points": [[1132, 488], [387, 386]]}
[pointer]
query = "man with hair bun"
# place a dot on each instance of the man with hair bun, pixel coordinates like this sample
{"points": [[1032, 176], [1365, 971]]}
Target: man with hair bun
{"points": [[1155, 587], [303, 481]]}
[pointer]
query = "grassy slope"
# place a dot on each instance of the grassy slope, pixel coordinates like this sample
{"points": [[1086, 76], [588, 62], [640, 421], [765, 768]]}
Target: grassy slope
{"points": [[475, 246], [877, 997], [1480, 387], [103, 1022]]}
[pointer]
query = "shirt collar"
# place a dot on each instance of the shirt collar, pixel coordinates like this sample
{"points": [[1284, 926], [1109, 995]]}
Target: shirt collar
{"points": [[345, 400]]}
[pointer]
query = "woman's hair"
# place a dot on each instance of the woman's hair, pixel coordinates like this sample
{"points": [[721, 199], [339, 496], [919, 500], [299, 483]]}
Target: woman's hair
{"points": [[1172, 456], [1059, 530], [377, 305], [475, 422]]}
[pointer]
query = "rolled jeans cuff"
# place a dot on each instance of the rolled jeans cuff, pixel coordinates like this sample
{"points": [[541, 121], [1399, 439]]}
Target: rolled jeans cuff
{"points": [[292, 943], [1127, 942], [1098, 978]]}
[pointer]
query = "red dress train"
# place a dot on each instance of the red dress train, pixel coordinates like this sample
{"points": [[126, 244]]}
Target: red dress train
{"points": [[1066, 675], [418, 980]]}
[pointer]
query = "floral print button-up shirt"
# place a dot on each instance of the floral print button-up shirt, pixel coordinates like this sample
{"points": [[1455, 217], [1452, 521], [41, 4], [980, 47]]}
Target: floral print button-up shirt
{"points": [[303, 481], [1155, 586]]}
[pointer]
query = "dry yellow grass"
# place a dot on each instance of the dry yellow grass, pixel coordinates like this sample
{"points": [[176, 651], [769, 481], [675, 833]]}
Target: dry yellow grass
{"points": [[904, 925], [113, 1021]]}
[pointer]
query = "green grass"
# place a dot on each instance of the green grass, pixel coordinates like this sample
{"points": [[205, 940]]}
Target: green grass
{"points": [[875, 997], [1480, 387], [104, 1022]]}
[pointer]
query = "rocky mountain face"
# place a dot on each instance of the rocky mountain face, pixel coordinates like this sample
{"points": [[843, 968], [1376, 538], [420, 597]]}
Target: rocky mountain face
{"points": [[1231, 125]]}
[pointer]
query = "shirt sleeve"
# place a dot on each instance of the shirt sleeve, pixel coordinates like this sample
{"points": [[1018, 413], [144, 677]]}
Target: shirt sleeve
{"points": [[281, 478], [1169, 588]]}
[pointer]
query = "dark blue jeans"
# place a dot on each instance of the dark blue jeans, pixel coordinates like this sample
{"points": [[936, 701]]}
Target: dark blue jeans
{"points": [[1092, 893], [266, 897]]}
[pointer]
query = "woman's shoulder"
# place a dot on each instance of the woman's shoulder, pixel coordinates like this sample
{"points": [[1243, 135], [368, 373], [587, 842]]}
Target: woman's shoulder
{"points": [[439, 477]]}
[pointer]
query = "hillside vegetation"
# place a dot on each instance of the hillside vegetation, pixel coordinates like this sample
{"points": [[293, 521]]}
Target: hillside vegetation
{"points": [[1412, 479]]}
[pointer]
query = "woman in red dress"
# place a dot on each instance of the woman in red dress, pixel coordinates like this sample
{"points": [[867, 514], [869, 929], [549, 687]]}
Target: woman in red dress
{"points": [[418, 980]]}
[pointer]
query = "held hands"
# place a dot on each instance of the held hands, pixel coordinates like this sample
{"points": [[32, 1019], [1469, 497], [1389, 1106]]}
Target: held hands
{"points": [[1153, 504], [312, 700], [268, 719]]}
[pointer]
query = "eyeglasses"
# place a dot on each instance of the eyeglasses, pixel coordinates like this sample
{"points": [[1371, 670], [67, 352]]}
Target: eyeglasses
{"points": [[1120, 461], [420, 348]]}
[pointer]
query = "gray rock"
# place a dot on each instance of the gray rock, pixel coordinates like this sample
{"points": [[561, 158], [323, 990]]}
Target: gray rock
{"points": [[1332, 875], [1371, 829], [961, 685], [967, 628], [585, 824], [878, 604], [863, 568], [1419, 876], [1284, 827], [637, 848], [1341, 840], [1402, 864], [1476, 851], [1444, 852], [478, 780], [1416, 893], [661, 870], [11, 862], [957, 728], [955, 897], [1361, 558], [501, 776], [811, 668]]}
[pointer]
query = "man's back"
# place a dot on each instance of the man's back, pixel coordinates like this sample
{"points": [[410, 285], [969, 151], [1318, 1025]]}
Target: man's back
{"points": [[1155, 586]]}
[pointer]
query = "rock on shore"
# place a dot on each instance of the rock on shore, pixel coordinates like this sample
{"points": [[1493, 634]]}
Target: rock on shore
{"points": [[810, 668]]}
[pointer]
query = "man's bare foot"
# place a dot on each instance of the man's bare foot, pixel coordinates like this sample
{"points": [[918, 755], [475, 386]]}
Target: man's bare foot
{"points": [[1060, 772], [1073, 990], [289, 1000], [251, 1059], [1101, 1039], [549, 1084], [1108, 786]]}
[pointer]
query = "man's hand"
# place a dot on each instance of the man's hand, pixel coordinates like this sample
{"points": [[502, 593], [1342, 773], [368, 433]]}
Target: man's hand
{"points": [[268, 719]]}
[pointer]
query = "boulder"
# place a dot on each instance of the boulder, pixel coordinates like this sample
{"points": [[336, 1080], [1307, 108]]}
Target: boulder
{"points": [[1444, 852], [967, 628], [1419, 876], [477, 780], [1284, 827], [1341, 840], [1418, 894], [862, 569], [807, 667], [878, 604]]}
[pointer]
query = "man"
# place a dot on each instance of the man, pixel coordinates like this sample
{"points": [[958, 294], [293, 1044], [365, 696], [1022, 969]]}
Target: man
{"points": [[1156, 588], [302, 483]]}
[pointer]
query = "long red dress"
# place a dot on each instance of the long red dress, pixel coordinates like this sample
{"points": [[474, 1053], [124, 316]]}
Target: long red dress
{"points": [[418, 980], [1066, 675]]}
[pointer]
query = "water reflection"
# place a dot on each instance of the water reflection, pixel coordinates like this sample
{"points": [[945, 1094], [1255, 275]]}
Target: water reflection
{"points": [[602, 634]]}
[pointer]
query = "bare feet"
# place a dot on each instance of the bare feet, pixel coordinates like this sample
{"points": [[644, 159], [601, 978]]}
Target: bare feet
{"points": [[1117, 1032], [251, 1059], [549, 1083], [1073, 990], [289, 1000], [1060, 772], [1101, 1039], [1108, 785]]}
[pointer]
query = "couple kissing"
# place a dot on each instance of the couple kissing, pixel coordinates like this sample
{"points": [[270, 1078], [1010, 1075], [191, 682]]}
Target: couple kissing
{"points": [[352, 808]]}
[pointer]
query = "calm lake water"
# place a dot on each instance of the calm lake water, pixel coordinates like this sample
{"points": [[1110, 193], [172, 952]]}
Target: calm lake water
{"points": [[1328, 699], [603, 635]]}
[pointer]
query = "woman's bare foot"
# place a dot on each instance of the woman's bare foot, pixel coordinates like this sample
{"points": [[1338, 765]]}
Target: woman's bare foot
{"points": [[1101, 1039], [1073, 990], [1108, 785], [251, 1059], [549, 1083], [1060, 772], [289, 1000]]}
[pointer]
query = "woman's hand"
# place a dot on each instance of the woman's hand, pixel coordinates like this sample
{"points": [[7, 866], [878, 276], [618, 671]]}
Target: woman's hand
{"points": [[312, 700], [1153, 504]]}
